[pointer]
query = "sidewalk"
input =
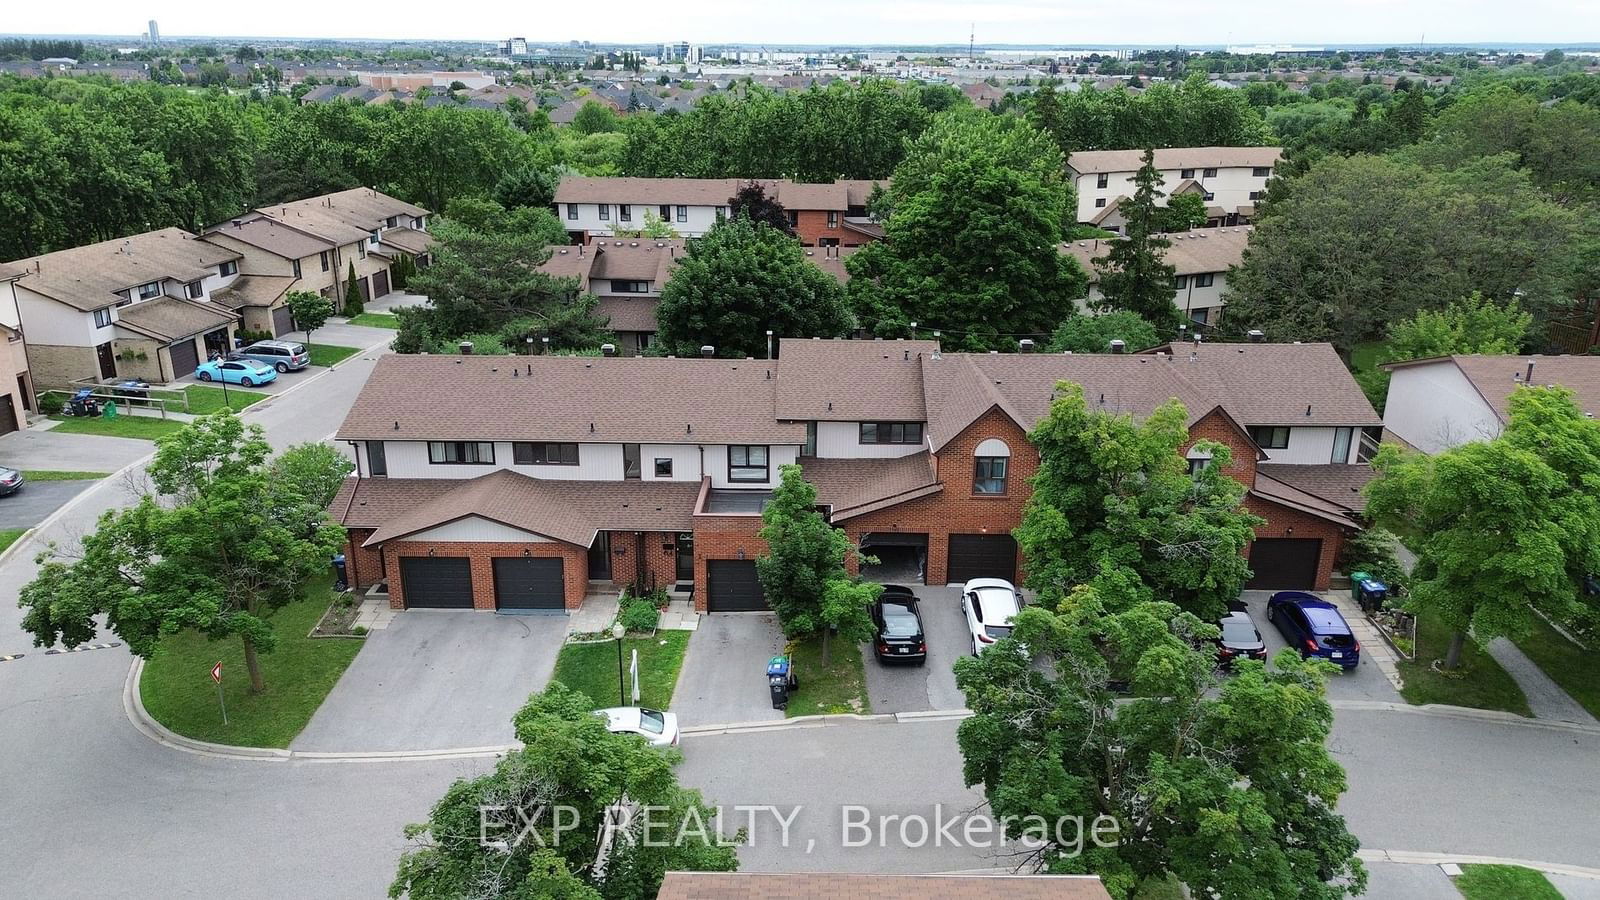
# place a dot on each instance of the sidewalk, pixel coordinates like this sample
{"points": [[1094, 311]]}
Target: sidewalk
{"points": [[1545, 697], [1374, 649]]}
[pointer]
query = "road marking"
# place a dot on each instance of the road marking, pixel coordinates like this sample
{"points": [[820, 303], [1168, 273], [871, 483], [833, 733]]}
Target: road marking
{"points": [[57, 651]]}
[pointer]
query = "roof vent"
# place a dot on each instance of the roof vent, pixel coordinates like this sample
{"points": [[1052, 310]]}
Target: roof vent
{"points": [[1025, 345], [1118, 345], [633, 243], [1256, 335], [707, 351], [608, 349]]}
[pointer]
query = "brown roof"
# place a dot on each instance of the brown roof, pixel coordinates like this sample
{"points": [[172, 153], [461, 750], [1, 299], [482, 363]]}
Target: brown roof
{"points": [[273, 237], [1108, 210], [640, 259], [570, 262], [316, 221], [831, 260], [625, 312], [1339, 484], [799, 195], [864, 225], [851, 381], [570, 511], [1497, 377], [1201, 250], [857, 190], [1284, 494], [776, 886], [362, 208], [854, 487], [253, 290], [370, 502], [169, 318], [569, 398], [836, 195], [88, 277], [1086, 162], [409, 240]]}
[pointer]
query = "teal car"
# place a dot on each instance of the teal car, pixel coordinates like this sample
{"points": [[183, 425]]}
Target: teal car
{"points": [[247, 372]]}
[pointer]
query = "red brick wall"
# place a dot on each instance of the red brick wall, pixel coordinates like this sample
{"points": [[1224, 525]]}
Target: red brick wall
{"points": [[660, 558], [1292, 523], [956, 509], [723, 537], [575, 571], [363, 565], [1215, 426], [812, 224]]}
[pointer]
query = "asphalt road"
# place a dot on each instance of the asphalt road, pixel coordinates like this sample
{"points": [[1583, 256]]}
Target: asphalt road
{"points": [[724, 674], [898, 687], [36, 500]]}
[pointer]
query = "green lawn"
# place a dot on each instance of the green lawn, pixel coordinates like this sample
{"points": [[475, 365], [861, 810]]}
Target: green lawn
{"points": [[592, 668], [142, 427], [1477, 682], [205, 399], [1484, 882], [1367, 355], [375, 320], [177, 688], [1577, 670], [9, 536], [59, 475], [839, 688], [330, 354]]}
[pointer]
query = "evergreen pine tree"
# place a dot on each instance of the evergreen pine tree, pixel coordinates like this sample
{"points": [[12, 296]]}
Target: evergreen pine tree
{"points": [[352, 293], [1133, 274]]}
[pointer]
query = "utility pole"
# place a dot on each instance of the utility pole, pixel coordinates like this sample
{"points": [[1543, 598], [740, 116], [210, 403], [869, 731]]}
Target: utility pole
{"points": [[972, 43]]}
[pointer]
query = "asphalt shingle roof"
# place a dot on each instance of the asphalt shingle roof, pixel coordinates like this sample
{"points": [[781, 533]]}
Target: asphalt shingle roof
{"points": [[1201, 250], [88, 277], [1086, 162], [851, 381], [170, 318], [1497, 377]]}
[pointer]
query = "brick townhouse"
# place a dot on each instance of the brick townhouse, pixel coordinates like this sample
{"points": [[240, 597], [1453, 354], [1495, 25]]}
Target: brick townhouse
{"points": [[654, 470], [833, 214]]}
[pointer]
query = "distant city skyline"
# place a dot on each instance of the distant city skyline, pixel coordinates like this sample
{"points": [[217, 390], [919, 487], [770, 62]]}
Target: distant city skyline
{"points": [[1075, 23]]}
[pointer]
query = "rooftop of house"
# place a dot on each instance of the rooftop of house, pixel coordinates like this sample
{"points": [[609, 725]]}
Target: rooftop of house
{"points": [[837, 195], [172, 318], [88, 277], [653, 260], [1091, 162], [1190, 253], [1496, 378], [357, 209], [273, 236]]}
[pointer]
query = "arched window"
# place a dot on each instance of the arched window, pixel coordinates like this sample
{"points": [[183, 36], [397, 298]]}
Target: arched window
{"points": [[991, 468]]}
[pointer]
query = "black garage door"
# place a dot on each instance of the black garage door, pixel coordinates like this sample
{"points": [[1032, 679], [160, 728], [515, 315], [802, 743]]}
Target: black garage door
{"points": [[380, 282], [1284, 564], [185, 358], [8, 415], [982, 556], [524, 582], [734, 586], [282, 321], [436, 583]]}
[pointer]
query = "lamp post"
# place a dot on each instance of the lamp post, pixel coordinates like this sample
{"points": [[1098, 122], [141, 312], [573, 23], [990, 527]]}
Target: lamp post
{"points": [[617, 631]]}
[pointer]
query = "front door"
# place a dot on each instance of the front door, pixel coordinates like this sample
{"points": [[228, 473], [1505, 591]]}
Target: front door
{"points": [[600, 557], [685, 568], [108, 361], [217, 342]]}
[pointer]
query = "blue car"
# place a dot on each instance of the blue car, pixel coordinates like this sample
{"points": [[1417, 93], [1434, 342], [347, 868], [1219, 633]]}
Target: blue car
{"points": [[1313, 626], [247, 372]]}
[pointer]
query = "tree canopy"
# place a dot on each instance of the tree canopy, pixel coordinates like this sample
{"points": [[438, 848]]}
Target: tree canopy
{"points": [[1094, 334], [1133, 274]]}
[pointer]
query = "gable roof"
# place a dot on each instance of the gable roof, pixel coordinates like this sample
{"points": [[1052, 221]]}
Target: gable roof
{"points": [[1087, 162], [1496, 378], [169, 318], [855, 487], [88, 277], [1192, 252], [272, 236], [850, 381]]}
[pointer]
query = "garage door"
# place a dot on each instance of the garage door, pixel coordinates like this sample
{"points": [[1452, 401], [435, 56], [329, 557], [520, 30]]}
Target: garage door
{"points": [[982, 556], [523, 583], [282, 321], [1284, 564], [8, 414], [380, 283], [734, 586], [434, 583], [185, 358]]}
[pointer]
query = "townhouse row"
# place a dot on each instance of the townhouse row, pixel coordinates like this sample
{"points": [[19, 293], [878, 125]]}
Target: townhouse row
{"points": [[821, 215], [654, 471]]}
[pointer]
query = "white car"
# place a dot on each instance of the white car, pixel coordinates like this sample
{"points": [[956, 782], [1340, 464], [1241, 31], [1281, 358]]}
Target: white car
{"points": [[658, 728], [989, 605]]}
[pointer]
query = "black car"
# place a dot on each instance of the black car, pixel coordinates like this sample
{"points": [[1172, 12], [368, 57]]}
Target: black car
{"points": [[1239, 639], [899, 626]]}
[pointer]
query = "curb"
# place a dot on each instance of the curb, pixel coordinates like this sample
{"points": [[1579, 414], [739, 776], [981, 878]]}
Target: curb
{"points": [[1416, 858], [1464, 712], [826, 721]]}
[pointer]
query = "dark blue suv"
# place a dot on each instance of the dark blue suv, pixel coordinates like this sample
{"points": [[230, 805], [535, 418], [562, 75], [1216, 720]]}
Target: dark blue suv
{"points": [[1313, 626]]}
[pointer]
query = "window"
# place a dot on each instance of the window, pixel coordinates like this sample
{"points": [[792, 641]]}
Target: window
{"points": [[526, 453], [747, 462], [1209, 196], [989, 475], [722, 213], [391, 222], [572, 211], [810, 448], [1270, 437], [193, 290], [1186, 173], [629, 287], [1204, 279], [102, 317], [361, 249], [833, 220], [630, 461], [324, 256], [1209, 173], [1102, 180], [891, 432], [228, 269], [605, 212], [1261, 171], [683, 214], [1100, 203], [153, 289], [663, 467], [372, 238], [1198, 465], [665, 210], [475, 453], [377, 460], [1341, 445], [794, 217], [421, 223], [1180, 282], [1255, 195], [625, 212], [295, 264], [1201, 316]]}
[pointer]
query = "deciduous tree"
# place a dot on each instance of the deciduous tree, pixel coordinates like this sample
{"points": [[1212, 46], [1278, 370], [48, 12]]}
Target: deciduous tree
{"points": [[311, 310], [1094, 334], [751, 202]]}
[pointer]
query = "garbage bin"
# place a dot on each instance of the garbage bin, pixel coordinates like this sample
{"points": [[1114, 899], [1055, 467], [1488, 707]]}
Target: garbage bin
{"points": [[1355, 584], [340, 581], [1371, 593], [781, 680]]}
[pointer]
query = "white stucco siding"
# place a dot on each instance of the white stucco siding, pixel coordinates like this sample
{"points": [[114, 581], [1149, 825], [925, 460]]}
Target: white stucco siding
{"points": [[1434, 407], [1308, 445], [49, 322], [475, 529], [685, 461], [699, 218], [1230, 188], [842, 440], [596, 462]]}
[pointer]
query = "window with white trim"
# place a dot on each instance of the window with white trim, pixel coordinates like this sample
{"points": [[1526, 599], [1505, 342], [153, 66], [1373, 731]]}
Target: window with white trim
{"points": [[461, 453], [150, 289], [102, 317], [748, 462], [991, 468]]}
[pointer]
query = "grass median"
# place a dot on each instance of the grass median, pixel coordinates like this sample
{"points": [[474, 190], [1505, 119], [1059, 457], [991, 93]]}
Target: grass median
{"points": [[591, 668], [1490, 882], [60, 475], [141, 427], [839, 687], [9, 536], [376, 320], [330, 354], [1477, 681], [205, 399], [178, 692]]}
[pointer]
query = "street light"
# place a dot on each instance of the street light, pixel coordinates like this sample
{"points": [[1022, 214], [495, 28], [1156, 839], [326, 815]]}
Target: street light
{"points": [[617, 631]]}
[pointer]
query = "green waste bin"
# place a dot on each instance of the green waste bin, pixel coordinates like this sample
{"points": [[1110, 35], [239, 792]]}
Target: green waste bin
{"points": [[110, 411]]}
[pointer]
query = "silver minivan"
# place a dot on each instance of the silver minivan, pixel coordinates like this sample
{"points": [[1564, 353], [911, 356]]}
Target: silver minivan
{"points": [[285, 356]]}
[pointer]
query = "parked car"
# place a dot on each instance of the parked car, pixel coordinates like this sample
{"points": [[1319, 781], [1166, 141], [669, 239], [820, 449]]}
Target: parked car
{"points": [[10, 481], [989, 605], [285, 356], [899, 634], [1239, 640], [659, 729], [247, 372], [1313, 626]]}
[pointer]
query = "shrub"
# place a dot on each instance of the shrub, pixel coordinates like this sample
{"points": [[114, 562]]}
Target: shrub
{"points": [[1373, 551], [50, 404], [638, 613]]}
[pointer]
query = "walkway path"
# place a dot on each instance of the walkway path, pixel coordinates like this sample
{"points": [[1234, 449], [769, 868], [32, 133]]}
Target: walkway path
{"points": [[1545, 697]]}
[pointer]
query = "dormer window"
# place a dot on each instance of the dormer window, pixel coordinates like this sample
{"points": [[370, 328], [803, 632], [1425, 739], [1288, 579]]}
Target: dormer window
{"points": [[194, 290], [372, 237], [152, 289], [391, 222], [228, 269]]}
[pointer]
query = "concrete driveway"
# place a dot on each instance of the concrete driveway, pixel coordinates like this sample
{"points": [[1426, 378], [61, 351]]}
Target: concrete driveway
{"points": [[37, 500], [40, 448], [724, 677], [898, 687], [1364, 682], [437, 679]]}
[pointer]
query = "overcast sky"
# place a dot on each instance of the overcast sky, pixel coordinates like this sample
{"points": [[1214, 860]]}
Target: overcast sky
{"points": [[1065, 23]]}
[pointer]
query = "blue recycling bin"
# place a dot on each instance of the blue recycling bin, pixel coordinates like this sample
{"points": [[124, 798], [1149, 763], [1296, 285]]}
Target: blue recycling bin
{"points": [[340, 581], [781, 680], [1371, 593]]}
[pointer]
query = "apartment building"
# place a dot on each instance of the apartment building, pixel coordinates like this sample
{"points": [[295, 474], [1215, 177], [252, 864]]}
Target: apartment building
{"points": [[821, 215], [143, 306], [1231, 180], [1443, 402], [309, 245], [1200, 259], [655, 470]]}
